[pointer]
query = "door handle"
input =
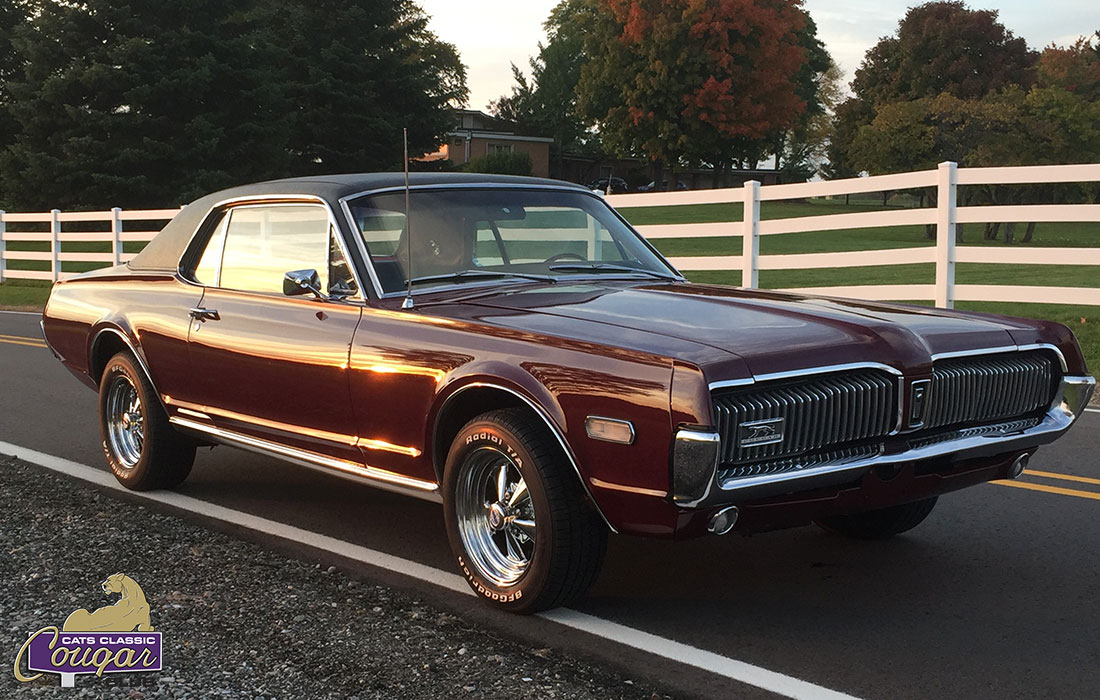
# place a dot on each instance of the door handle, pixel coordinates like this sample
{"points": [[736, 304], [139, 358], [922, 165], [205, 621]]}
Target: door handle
{"points": [[200, 314]]}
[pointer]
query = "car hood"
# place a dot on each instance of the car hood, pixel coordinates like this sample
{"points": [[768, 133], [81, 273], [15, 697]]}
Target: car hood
{"points": [[767, 331]]}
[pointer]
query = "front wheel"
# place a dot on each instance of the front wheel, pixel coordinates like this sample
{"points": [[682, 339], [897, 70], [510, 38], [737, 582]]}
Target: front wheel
{"points": [[882, 523], [516, 518], [143, 450]]}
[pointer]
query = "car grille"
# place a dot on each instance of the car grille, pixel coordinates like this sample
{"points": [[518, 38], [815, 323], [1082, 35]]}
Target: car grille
{"points": [[790, 425], [993, 387], [810, 413]]}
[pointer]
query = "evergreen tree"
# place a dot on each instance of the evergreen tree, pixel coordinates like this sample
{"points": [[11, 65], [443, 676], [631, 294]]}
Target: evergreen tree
{"points": [[143, 104], [151, 103], [12, 15], [357, 72]]}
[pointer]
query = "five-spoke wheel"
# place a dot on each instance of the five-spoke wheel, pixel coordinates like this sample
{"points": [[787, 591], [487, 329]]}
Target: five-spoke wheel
{"points": [[518, 523], [143, 450]]}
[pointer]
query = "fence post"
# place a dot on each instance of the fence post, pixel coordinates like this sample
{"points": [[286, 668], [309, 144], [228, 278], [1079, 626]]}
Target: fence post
{"points": [[3, 245], [116, 234], [55, 243], [946, 215], [750, 236]]}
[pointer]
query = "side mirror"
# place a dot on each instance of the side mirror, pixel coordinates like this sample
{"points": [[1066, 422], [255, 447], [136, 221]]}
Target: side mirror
{"points": [[298, 282]]}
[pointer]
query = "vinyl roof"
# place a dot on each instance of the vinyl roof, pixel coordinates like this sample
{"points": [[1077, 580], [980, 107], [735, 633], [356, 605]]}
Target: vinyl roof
{"points": [[165, 250]]}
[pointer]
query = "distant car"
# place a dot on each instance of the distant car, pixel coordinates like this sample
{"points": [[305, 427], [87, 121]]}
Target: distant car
{"points": [[662, 187], [614, 185], [512, 348]]}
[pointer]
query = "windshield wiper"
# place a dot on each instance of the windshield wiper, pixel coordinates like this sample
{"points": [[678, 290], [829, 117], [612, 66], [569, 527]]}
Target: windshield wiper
{"points": [[605, 267], [463, 275]]}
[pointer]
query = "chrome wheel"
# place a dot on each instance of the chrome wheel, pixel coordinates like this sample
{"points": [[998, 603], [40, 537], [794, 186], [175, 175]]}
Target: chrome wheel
{"points": [[496, 516], [125, 421]]}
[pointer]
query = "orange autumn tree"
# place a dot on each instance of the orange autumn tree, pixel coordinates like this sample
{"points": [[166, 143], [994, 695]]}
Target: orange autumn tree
{"points": [[685, 80]]}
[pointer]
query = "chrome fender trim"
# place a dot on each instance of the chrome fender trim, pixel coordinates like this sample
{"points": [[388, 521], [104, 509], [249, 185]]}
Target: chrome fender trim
{"points": [[554, 429], [140, 356]]}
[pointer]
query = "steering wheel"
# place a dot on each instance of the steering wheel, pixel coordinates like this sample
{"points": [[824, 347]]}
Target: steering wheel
{"points": [[562, 256]]}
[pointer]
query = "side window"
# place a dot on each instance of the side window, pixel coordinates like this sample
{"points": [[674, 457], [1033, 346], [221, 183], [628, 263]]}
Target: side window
{"points": [[263, 243], [206, 272]]}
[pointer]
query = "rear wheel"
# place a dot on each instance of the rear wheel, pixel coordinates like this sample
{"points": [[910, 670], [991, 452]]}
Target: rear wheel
{"points": [[516, 519], [143, 450], [882, 523]]}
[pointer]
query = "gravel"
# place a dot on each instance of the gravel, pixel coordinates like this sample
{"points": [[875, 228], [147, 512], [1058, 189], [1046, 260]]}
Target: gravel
{"points": [[240, 621]]}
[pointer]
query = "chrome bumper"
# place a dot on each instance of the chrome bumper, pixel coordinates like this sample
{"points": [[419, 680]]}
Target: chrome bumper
{"points": [[1069, 402]]}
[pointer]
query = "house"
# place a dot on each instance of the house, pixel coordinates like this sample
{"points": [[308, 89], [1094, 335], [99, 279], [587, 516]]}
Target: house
{"points": [[478, 134]]}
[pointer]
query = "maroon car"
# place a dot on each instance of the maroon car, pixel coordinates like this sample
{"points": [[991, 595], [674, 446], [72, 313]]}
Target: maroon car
{"points": [[512, 348]]}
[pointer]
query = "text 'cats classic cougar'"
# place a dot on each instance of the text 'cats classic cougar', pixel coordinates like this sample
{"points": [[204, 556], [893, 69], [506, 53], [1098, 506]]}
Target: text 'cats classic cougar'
{"points": [[512, 348]]}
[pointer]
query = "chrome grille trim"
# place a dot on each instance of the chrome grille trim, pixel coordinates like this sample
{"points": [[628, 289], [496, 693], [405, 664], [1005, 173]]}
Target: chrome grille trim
{"points": [[818, 412], [794, 464], [990, 387]]}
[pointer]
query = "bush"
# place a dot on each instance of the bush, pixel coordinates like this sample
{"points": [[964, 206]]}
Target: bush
{"points": [[501, 163]]}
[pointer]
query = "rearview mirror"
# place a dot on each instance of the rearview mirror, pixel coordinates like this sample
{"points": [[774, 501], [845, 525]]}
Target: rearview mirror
{"points": [[298, 282]]}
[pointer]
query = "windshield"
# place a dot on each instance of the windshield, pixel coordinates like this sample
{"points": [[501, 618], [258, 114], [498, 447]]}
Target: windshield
{"points": [[465, 235]]}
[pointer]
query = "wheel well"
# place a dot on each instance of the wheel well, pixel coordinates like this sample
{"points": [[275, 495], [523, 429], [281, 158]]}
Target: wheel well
{"points": [[463, 408], [106, 346]]}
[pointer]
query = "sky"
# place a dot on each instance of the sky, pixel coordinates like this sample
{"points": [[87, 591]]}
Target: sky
{"points": [[492, 34]]}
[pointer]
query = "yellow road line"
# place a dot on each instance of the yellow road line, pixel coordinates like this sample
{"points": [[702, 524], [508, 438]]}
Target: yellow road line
{"points": [[1049, 489], [1064, 477], [22, 340]]}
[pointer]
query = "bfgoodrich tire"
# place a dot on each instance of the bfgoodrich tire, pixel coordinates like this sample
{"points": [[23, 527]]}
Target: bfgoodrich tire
{"points": [[880, 524], [518, 525], [143, 450]]}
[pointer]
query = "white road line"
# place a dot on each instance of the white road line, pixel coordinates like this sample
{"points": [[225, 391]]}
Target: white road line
{"points": [[749, 674], [28, 313], [1092, 410]]}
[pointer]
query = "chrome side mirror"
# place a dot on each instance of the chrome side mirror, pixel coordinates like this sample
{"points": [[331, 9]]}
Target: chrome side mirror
{"points": [[298, 282]]}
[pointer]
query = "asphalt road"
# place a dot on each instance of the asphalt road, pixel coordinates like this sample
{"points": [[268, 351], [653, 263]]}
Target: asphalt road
{"points": [[995, 596]]}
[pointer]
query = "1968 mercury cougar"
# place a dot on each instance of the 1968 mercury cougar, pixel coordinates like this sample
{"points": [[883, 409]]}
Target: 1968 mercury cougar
{"points": [[512, 348]]}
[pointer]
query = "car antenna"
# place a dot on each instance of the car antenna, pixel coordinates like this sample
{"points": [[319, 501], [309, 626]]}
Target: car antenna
{"points": [[408, 302]]}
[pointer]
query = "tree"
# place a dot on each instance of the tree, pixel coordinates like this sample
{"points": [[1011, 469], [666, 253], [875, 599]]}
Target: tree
{"points": [[12, 15], [357, 72], [1075, 68], [800, 150], [140, 105], [546, 105], [940, 48], [944, 47], [148, 103], [681, 80]]}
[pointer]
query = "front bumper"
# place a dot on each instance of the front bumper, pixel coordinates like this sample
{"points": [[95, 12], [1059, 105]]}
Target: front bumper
{"points": [[967, 443]]}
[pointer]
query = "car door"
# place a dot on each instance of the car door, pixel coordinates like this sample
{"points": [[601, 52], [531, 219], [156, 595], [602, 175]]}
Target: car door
{"points": [[269, 366]]}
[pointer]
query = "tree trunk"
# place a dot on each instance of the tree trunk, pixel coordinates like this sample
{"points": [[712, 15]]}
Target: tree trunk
{"points": [[958, 233], [930, 231], [1028, 233], [991, 231], [1010, 232]]}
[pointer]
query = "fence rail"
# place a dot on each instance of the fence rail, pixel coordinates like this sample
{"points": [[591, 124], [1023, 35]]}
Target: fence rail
{"points": [[947, 213], [944, 216]]}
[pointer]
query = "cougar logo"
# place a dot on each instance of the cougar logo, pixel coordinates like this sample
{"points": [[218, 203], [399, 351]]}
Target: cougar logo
{"points": [[115, 638], [130, 612], [761, 432]]}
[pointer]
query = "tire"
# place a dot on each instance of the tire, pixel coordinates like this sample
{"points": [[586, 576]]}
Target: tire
{"points": [[143, 450], [880, 524], [525, 541]]}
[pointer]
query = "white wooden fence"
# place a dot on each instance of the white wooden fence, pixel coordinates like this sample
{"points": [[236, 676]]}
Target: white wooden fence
{"points": [[946, 179], [113, 221], [945, 254]]}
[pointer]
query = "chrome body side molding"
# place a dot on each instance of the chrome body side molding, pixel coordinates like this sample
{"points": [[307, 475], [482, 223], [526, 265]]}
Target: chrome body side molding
{"points": [[387, 480]]}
